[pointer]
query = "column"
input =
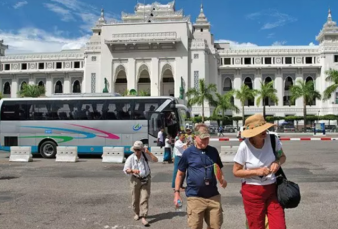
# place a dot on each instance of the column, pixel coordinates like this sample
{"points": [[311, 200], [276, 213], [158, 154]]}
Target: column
{"points": [[66, 85], [257, 83], [279, 85], [14, 87], [155, 76], [85, 76], [31, 79], [131, 74], [49, 85]]}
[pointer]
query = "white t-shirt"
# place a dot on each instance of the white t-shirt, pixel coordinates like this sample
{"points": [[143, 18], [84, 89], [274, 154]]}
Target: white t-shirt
{"points": [[179, 148], [167, 143], [160, 136], [253, 158]]}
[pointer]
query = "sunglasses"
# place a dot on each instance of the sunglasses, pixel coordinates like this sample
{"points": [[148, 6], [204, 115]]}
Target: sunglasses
{"points": [[137, 149]]}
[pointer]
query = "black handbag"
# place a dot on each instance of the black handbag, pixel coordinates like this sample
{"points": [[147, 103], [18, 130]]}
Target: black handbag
{"points": [[288, 192]]}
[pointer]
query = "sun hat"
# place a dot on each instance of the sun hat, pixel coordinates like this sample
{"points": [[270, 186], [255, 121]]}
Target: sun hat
{"points": [[254, 125], [137, 145], [203, 133]]}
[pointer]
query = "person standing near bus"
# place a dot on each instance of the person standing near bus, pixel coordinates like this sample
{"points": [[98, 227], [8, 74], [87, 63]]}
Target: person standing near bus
{"points": [[179, 148], [138, 167], [160, 138]]}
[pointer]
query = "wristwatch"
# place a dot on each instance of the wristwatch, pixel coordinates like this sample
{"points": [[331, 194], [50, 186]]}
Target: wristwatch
{"points": [[176, 191], [278, 162]]}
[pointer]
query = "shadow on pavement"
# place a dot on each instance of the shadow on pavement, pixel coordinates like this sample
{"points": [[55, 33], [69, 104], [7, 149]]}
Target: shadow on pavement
{"points": [[164, 216]]}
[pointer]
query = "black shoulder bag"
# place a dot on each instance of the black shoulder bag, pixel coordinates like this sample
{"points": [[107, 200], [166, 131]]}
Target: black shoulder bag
{"points": [[288, 192]]}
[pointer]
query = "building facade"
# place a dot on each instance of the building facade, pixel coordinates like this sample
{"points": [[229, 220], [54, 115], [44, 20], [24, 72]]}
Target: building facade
{"points": [[157, 50]]}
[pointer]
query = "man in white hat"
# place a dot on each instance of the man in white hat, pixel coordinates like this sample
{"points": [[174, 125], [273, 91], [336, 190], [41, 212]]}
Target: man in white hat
{"points": [[137, 166]]}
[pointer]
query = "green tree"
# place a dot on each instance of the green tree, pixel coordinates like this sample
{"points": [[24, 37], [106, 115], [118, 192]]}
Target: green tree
{"points": [[332, 76], [266, 92], [201, 94], [244, 94], [223, 103], [307, 91], [143, 93], [32, 90]]}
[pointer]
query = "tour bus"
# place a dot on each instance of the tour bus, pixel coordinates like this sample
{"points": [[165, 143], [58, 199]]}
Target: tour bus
{"points": [[89, 122]]}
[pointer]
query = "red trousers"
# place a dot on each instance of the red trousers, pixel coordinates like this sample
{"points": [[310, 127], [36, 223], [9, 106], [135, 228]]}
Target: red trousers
{"points": [[261, 200]]}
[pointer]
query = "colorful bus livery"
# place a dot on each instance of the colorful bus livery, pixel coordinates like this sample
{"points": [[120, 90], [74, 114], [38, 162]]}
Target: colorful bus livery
{"points": [[90, 123]]}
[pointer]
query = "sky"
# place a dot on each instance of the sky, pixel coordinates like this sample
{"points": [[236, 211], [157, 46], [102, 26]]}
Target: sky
{"points": [[52, 25]]}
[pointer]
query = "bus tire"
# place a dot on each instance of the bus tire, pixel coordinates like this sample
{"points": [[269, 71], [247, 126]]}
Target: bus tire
{"points": [[47, 149]]}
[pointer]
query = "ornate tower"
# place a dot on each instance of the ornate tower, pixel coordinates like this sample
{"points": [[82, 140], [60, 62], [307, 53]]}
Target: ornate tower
{"points": [[2, 48]]}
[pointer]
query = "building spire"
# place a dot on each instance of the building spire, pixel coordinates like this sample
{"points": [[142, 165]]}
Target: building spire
{"points": [[329, 17]]}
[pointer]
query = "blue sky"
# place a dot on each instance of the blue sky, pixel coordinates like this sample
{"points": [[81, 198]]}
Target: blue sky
{"points": [[52, 25]]}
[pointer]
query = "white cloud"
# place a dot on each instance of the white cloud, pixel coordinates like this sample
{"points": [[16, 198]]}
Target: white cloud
{"points": [[312, 44], [33, 40], [235, 43], [71, 9], [275, 19], [270, 35], [65, 14], [20, 4], [279, 43]]}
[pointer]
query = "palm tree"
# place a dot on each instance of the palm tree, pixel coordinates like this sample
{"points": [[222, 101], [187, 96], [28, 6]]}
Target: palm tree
{"points": [[244, 94], [307, 91], [224, 103], [267, 91], [32, 90], [201, 94], [332, 76]]}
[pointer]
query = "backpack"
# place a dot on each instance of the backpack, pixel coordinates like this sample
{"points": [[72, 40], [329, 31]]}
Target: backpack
{"points": [[288, 192]]}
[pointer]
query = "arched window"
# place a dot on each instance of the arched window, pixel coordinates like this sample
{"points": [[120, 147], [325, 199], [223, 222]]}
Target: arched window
{"points": [[22, 85], [76, 87], [248, 82], [7, 89], [41, 84], [58, 87]]}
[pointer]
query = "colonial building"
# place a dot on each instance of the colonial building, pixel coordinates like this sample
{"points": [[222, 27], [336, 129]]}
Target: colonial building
{"points": [[157, 49]]}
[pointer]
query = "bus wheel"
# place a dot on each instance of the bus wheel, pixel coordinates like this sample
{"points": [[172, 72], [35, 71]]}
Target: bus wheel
{"points": [[48, 149]]}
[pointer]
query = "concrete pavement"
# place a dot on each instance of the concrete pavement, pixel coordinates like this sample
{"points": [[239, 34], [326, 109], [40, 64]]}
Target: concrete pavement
{"points": [[90, 194]]}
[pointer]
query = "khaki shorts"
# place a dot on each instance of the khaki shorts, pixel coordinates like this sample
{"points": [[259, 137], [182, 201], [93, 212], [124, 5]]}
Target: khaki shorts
{"points": [[208, 209]]}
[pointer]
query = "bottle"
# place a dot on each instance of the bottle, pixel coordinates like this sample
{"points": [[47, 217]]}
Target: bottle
{"points": [[179, 206]]}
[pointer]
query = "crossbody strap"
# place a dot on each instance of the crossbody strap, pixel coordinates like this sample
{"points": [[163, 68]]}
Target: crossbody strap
{"points": [[280, 172], [146, 159]]}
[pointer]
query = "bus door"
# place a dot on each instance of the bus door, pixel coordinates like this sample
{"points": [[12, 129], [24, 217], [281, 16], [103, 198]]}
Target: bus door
{"points": [[156, 121]]}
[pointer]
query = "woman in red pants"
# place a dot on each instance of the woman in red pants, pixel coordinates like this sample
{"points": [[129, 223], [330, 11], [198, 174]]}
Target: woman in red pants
{"points": [[256, 164]]}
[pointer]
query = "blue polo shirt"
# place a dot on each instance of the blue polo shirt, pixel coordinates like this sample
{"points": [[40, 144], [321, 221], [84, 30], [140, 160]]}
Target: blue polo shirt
{"points": [[199, 165]]}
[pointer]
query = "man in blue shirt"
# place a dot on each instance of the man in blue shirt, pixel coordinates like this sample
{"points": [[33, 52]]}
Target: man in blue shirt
{"points": [[203, 198]]}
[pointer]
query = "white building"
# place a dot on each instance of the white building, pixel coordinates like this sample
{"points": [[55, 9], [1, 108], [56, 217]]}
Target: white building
{"points": [[157, 48]]}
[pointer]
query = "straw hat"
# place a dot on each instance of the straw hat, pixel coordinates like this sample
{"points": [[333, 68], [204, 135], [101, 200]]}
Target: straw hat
{"points": [[255, 125]]}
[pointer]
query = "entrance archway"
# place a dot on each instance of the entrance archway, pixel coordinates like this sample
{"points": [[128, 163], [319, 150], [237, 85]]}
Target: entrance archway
{"points": [[167, 82], [143, 84], [120, 80]]}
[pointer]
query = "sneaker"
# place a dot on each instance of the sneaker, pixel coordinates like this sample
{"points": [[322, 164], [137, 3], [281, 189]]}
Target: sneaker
{"points": [[136, 217]]}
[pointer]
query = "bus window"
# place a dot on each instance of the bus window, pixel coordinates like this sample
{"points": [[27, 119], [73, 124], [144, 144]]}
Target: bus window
{"points": [[14, 110], [63, 109], [144, 106], [38, 110], [122, 109]]}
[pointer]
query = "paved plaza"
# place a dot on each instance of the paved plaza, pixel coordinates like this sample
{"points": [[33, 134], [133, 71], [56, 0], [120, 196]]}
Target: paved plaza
{"points": [[91, 194]]}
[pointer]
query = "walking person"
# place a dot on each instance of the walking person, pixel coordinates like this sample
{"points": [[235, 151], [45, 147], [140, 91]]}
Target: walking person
{"points": [[167, 150], [256, 164], [140, 180], [179, 147], [220, 131], [203, 198]]}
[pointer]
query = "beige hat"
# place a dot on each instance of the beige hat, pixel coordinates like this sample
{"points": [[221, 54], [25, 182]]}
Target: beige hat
{"points": [[254, 125], [137, 145], [202, 133]]}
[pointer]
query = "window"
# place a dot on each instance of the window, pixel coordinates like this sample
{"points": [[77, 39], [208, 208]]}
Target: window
{"points": [[201, 30], [196, 56], [144, 106], [247, 60], [58, 65], [41, 110], [227, 61], [120, 108], [14, 110], [58, 87], [7, 67], [308, 60], [93, 58], [268, 60], [288, 60], [76, 87], [77, 64], [336, 58], [196, 79], [7, 89], [24, 66], [41, 65]]}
